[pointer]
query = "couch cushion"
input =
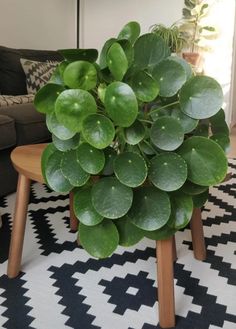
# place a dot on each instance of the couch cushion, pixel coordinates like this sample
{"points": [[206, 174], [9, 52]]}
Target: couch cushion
{"points": [[8, 100], [37, 73], [7, 132], [30, 124], [12, 76]]}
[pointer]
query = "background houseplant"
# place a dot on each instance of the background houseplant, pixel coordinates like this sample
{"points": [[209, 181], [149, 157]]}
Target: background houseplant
{"points": [[194, 29], [174, 38], [131, 138]]}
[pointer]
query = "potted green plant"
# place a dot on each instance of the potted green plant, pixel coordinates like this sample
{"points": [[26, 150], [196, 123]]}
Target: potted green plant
{"points": [[174, 38], [136, 136], [194, 29]]}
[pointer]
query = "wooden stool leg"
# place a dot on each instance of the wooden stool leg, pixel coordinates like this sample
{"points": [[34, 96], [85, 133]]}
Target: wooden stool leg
{"points": [[174, 248], [199, 247], [165, 275], [73, 218], [18, 229]]}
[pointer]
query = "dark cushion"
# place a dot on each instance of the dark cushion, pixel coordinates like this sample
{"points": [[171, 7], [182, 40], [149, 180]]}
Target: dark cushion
{"points": [[7, 132], [12, 76], [29, 124]]}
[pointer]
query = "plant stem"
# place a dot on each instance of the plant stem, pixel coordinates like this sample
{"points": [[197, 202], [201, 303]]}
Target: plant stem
{"points": [[149, 145], [147, 121], [163, 107], [144, 155]]}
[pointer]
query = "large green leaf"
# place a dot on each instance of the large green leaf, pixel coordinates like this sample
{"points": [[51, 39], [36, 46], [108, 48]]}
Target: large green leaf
{"points": [[151, 208], [66, 145], [218, 123], [130, 32], [72, 170], [103, 54], [128, 49], [167, 133], [207, 163], [72, 55], [186, 66], [47, 152], [45, 98], [110, 198], [144, 86], [100, 240], [56, 77], [110, 155], [98, 130], [117, 61], [168, 171], [84, 209], [54, 176], [91, 159], [223, 140], [135, 133], [73, 106], [121, 104], [181, 210], [200, 199], [193, 189], [149, 50], [58, 129], [80, 75], [162, 233], [129, 233], [130, 168], [188, 124], [170, 76], [201, 97]]}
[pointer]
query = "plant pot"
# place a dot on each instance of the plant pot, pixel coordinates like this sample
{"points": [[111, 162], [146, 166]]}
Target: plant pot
{"points": [[192, 58]]}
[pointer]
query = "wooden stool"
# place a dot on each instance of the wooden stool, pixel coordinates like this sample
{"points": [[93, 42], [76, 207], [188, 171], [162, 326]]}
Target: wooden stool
{"points": [[27, 161]]}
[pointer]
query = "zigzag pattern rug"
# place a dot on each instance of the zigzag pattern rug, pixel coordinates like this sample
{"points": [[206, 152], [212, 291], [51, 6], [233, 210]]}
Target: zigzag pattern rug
{"points": [[60, 286]]}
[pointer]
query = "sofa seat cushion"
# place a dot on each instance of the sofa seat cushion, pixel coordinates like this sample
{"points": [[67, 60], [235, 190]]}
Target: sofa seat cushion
{"points": [[30, 124], [7, 132]]}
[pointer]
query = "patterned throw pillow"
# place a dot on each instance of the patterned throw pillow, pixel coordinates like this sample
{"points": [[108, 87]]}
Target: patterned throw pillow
{"points": [[37, 73], [8, 100]]}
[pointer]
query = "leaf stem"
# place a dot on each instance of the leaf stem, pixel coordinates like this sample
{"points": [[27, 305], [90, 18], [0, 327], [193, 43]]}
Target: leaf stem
{"points": [[149, 145], [147, 121], [163, 107]]}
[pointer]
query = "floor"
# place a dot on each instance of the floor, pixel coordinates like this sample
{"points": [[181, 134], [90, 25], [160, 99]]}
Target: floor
{"points": [[232, 153]]}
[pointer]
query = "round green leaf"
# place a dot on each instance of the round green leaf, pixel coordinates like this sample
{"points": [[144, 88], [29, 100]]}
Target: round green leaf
{"points": [[128, 49], [45, 98], [47, 152], [73, 55], [72, 170], [66, 145], [151, 208], [193, 189], [170, 76], [130, 32], [188, 124], [144, 86], [200, 199], [135, 133], [181, 210], [149, 50], [218, 123], [54, 177], [80, 75], [57, 129], [129, 233], [186, 66], [84, 209], [162, 233], [56, 77], [130, 168], [98, 130], [168, 171], [103, 54], [73, 106], [91, 159], [121, 104], [206, 161], [117, 61], [201, 97], [100, 240], [101, 91], [110, 198], [167, 133], [223, 140], [110, 155]]}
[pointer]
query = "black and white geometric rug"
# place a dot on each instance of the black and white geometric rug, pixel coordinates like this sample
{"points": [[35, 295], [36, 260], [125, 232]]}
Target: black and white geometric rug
{"points": [[61, 286]]}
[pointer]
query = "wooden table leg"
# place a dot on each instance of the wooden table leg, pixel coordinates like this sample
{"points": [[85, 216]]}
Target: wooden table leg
{"points": [[18, 229], [199, 247], [165, 276], [174, 249], [73, 218]]}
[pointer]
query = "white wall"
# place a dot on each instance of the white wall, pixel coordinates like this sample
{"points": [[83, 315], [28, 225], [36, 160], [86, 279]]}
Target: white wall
{"points": [[103, 19], [38, 24]]}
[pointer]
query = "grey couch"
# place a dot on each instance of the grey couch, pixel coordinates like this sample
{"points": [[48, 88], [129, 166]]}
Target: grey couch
{"points": [[20, 124]]}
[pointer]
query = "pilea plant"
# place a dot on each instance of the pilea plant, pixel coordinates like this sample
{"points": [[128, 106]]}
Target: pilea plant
{"points": [[136, 136]]}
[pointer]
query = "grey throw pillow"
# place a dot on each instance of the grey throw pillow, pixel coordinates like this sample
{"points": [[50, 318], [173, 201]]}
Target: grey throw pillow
{"points": [[37, 73]]}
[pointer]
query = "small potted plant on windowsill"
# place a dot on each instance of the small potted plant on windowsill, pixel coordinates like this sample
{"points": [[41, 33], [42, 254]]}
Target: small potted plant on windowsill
{"points": [[130, 139], [195, 31]]}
